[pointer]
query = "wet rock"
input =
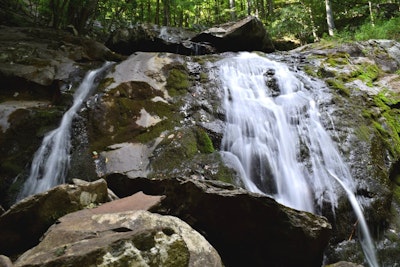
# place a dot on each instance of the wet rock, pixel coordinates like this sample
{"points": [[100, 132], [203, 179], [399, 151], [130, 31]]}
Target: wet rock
{"points": [[117, 235], [247, 34], [265, 232], [24, 223]]}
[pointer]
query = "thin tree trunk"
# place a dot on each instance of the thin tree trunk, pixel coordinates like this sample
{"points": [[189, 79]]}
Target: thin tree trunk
{"points": [[157, 16], [232, 9], [371, 14], [313, 27], [270, 7], [329, 18], [166, 18]]}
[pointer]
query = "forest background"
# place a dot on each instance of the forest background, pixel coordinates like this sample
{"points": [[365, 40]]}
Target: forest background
{"points": [[302, 22]]}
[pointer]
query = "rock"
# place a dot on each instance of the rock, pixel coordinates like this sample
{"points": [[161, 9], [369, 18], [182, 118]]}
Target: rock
{"points": [[247, 34], [104, 236], [5, 261], [265, 233], [24, 223], [344, 264], [153, 38]]}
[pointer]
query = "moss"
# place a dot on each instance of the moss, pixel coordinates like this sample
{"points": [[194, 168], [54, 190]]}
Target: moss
{"points": [[338, 59], [367, 73], [363, 132], [389, 124], [204, 142], [339, 86], [396, 193], [310, 71], [105, 83], [177, 81]]}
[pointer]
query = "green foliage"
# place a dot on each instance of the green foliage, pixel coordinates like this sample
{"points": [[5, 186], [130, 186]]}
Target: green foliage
{"points": [[383, 29]]}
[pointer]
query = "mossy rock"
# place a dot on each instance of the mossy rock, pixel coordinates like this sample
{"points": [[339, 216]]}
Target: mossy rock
{"points": [[177, 81], [338, 85]]}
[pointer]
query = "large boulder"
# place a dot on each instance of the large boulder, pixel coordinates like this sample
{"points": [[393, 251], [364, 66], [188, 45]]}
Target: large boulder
{"points": [[153, 38], [246, 229], [24, 223], [118, 234], [248, 34]]}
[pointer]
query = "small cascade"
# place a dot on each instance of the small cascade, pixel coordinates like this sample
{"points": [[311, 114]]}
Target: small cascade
{"points": [[275, 134], [51, 161]]}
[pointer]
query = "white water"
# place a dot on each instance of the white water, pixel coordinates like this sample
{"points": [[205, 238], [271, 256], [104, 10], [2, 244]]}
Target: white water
{"points": [[278, 139], [51, 161]]}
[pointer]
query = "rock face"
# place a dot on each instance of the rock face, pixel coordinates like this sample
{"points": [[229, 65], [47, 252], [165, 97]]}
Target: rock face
{"points": [[103, 237], [24, 223], [248, 34], [264, 235], [153, 38]]}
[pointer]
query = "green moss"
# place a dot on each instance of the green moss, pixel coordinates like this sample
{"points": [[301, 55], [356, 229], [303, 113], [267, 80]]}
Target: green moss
{"points": [[204, 142], [338, 59], [310, 71], [177, 81], [363, 132], [339, 86], [105, 83], [388, 125], [396, 193], [367, 73]]}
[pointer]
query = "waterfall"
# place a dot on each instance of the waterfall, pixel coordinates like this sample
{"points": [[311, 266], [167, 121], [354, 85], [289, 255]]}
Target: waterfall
{"points": [[275, 134], [51, 161]]}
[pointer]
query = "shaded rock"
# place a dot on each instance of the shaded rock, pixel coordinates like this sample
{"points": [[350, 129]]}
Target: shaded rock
{"points": [[24, 223], [153, 38], [5, 261], [117, 236], [344, 264], [248, 34], [42, 55], [265, 233]]}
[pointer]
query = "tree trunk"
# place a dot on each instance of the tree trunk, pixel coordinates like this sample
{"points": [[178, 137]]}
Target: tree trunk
{"points": [[167, 15], [270, 7], [329, 18], [371, 14], [157, 16], [232, 9]]}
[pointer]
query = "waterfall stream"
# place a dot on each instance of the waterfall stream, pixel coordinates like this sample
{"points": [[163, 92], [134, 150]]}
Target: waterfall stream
{"points": [[275, 135], [51, 161]]}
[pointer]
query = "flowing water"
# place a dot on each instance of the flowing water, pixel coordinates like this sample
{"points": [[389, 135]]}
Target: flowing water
{"points": [[51, 161], [275, 134]]}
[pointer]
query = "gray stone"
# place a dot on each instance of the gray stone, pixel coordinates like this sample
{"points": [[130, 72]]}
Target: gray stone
{"points": [[24, 223], [139, 238], [247, 229]]}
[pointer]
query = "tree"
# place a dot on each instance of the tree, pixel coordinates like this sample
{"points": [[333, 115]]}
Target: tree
{"points": [[329, 17]]}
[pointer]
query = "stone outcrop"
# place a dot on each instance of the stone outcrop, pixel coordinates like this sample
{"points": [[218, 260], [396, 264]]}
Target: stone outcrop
{"points": [[248, 34], [118, 233], [24, 223], [264, 235], [153, 38]]}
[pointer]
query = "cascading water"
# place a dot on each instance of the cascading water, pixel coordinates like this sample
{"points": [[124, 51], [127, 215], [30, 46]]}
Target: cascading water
{"points": [[51, 161], [275, 134]]}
